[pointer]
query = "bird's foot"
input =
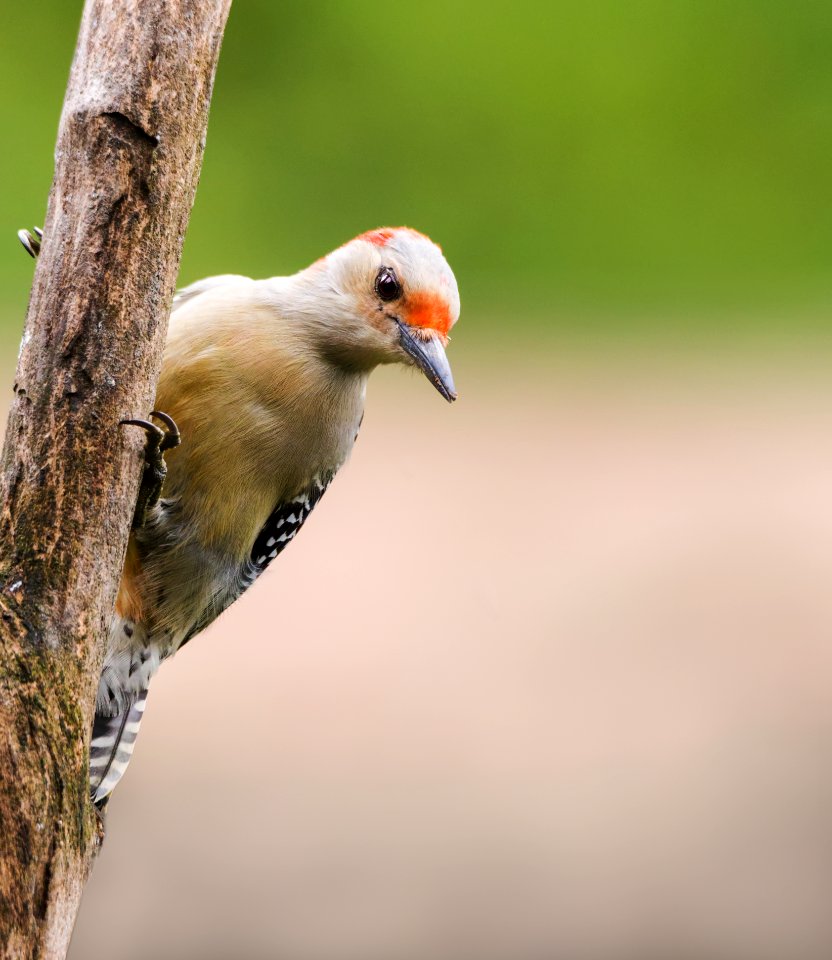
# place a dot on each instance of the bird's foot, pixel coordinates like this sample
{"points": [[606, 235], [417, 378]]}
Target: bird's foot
{"points": [[31, 241], [155, 468]]}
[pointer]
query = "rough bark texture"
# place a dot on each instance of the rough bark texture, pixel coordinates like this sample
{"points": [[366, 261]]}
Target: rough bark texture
{"points": [[128, 157]]}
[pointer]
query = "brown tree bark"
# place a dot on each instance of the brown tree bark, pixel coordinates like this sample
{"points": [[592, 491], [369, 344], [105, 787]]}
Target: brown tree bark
{"points": [[128, 157]]}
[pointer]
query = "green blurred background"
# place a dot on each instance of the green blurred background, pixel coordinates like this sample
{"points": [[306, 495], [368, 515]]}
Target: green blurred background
{"points": [[592, 167]]}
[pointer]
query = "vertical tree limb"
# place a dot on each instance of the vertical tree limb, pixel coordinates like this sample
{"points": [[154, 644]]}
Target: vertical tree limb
{"points": [[128, 158]]}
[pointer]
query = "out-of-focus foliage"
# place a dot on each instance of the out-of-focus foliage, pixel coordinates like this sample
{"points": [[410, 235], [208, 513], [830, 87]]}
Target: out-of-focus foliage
{"points": [[591, 162]]}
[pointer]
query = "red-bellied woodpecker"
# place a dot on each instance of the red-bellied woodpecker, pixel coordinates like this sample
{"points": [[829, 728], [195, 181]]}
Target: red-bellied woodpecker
{"points": [[265, 380]]}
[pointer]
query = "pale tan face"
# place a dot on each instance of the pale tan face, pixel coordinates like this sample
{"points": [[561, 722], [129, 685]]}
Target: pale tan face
{"points": [[403, 297]]}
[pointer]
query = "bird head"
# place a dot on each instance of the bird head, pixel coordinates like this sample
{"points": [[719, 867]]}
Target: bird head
{"points": [[392, 298]]}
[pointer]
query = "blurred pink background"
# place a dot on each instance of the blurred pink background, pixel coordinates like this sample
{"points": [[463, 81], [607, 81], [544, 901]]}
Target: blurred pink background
{"points": [[547, 674]]}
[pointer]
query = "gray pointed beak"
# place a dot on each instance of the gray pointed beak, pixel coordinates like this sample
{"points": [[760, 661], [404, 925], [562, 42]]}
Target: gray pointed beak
{"points": [[429, 356]]}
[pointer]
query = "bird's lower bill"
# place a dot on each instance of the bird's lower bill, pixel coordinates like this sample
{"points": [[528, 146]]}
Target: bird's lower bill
{"points": [[429, 356]]}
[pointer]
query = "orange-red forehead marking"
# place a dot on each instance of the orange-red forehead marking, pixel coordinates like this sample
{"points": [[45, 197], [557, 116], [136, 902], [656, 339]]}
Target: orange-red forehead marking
{"points": [[378, 237], [383, 235], [428, 310]]}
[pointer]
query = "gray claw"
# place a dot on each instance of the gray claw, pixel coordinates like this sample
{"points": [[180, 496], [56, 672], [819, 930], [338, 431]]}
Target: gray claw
{"points": [[31, 242], [155, 468], [172, 437]]}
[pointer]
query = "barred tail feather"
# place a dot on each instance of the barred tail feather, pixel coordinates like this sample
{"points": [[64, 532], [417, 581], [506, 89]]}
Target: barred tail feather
{"points": [[113, 739]]}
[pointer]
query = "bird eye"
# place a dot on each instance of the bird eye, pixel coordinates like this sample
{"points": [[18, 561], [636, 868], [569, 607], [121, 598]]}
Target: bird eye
{"points": [[387, 284]]}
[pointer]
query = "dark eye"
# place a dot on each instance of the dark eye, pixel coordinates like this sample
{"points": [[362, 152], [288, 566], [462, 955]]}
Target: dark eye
{"points": [[387, 284]]}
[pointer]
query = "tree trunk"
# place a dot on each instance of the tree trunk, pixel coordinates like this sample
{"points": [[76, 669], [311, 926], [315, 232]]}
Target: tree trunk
{"points": [[128, 157]]}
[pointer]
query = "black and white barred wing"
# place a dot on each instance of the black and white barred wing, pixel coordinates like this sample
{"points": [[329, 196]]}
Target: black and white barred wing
{"points": [[284, 522], [279, 530]]}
